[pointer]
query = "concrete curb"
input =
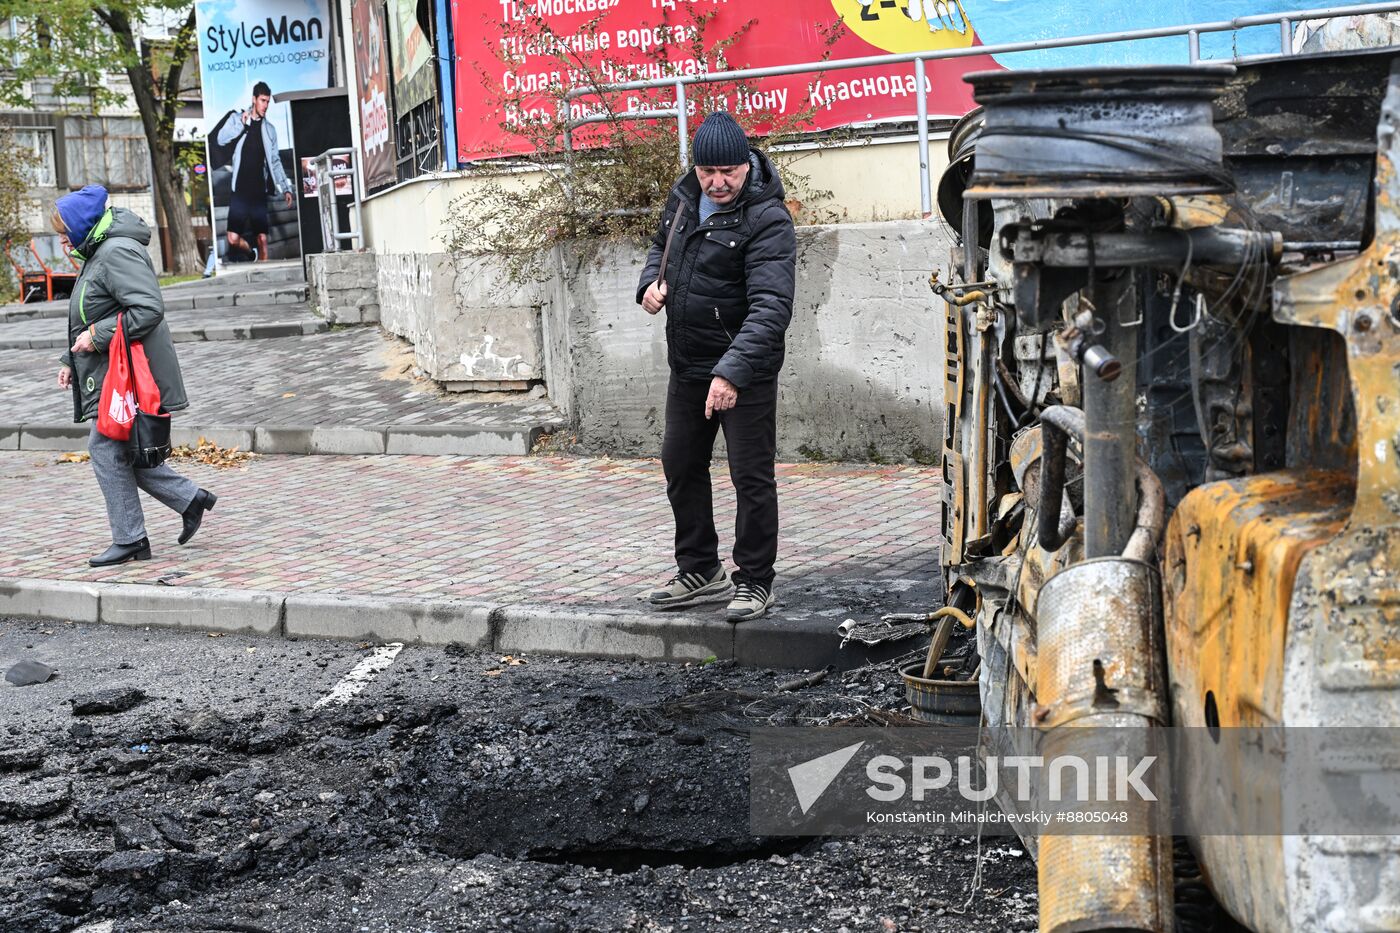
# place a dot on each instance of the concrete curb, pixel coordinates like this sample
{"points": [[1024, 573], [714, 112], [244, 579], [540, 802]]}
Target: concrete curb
{"points": [[282, 294], [377, 618], [263, 330], [612, 633], [39, 311], [258, 297], [278, 272], [605, 632], [50, 599], [302, 440], [245, 611]]}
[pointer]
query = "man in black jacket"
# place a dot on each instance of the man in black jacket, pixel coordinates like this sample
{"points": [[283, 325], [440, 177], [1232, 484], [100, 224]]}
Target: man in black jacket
{"points": [[727, 290]]}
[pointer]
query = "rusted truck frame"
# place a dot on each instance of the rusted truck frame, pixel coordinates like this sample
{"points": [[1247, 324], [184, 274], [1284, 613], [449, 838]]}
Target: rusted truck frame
{"points": [[1172, 452]]}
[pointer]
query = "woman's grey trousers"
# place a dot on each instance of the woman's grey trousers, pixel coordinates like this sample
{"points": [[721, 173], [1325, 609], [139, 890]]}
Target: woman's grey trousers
{"points": [[111, 461]]}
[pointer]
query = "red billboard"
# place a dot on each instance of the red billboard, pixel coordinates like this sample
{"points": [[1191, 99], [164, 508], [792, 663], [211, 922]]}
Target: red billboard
{"points": [[500, 58]]}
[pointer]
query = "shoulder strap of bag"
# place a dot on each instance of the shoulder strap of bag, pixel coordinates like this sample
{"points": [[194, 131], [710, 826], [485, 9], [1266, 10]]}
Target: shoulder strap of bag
{"points": [[130, 364]]}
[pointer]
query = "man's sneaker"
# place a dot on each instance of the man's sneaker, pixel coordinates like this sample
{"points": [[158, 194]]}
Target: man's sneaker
{"points": [[690, 587], [751, 600]]}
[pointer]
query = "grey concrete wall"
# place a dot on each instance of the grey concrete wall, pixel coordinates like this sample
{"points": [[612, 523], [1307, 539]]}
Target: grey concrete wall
{"points": [[863, 378], [343, 287], [611, 357], [864, 373], [467, 323]]}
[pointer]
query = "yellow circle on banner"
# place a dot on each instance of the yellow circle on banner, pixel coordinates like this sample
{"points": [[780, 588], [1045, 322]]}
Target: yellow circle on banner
{"points": [[907, 25]]}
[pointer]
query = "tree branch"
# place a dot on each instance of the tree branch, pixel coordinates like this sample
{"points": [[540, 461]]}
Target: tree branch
{"points": [[110, 19], [179, 54]]}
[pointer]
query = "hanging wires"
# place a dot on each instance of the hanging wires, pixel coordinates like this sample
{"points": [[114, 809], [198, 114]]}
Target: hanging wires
{"points": [[1176, 292]]}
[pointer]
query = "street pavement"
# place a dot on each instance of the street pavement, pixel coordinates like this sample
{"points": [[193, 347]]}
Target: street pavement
{"points": [[572, 532], [281, 786], [553, 531], [345, 378]]}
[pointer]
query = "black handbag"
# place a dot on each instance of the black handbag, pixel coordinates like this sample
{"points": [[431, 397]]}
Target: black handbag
{"points": [[150, 432]]}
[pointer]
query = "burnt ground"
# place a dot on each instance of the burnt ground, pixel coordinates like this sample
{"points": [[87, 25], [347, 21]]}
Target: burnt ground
{"points": [[459, 791]]}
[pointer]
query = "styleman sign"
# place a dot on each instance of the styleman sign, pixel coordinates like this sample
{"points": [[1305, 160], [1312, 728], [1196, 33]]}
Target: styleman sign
{"points": [[648, 39], [221, 41]]}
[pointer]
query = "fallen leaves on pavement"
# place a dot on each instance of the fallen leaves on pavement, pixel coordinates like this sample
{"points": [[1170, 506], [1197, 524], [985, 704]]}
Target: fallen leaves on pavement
{"points": [[207, 452], [76, 457], [508, 660]]}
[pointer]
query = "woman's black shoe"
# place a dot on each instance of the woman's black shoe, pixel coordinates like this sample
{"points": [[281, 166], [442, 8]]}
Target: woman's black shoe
{"points": [[121, 553], [203, 502]]}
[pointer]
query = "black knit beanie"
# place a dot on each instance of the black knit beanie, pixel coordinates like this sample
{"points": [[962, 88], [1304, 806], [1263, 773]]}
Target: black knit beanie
{"points": [[720, 141]]}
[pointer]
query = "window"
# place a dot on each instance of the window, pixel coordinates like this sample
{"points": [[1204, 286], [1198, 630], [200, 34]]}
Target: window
{"points": [[39, 144], [419, 141], [108, 151], [12, 30]]}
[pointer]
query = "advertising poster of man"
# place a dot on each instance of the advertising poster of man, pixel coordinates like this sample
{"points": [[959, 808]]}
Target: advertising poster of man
{"points": [[372, 75], [251, 51]]}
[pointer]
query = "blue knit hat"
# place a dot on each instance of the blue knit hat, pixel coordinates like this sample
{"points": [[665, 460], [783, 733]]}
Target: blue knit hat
{"points": [[721, 141], [81, 210]]}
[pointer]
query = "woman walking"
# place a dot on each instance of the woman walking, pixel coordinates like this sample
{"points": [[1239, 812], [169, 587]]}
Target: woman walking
{"points": [[118, 278]]}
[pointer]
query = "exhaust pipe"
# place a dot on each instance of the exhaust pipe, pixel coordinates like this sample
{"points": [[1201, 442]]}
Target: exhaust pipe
{"points": [[1101, 666], [1059, 423]]}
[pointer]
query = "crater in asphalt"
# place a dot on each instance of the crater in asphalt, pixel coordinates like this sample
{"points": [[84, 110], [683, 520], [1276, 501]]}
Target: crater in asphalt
{"points": [[550, 795], [627, 861], [601, 781]]}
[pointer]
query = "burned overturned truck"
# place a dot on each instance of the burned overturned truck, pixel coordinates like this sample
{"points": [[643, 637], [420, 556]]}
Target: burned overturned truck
{"points": [[1172, 451]]}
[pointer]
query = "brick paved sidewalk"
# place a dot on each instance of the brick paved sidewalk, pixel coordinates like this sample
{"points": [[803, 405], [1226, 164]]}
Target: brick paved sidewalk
{"points": [[856, 540], [347, 378]]}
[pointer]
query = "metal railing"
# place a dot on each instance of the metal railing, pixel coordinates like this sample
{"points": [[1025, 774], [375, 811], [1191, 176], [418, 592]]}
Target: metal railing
{"points": [[326, 176], [1192, 32]]}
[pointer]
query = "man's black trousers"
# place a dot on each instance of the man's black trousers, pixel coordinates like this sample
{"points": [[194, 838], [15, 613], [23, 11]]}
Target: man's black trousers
{"points": [[751, 435]]}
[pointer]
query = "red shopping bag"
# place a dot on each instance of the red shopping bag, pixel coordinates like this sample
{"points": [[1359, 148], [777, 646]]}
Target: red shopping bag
{"points": [[127, 386]]}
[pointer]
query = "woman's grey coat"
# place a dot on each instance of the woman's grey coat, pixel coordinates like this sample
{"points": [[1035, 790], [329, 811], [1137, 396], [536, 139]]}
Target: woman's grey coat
{"points": [[118, 278]]}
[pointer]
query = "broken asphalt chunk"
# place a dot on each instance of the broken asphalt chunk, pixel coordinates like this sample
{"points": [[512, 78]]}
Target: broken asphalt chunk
{"points": [[192, 771], [116, 700], [270, 740], [174, 832], [117, 762], [133, 863], [34, 801], [67, 895], [28, 672], [131, 832], [21, 759], [81, 861], [236, 860]]}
